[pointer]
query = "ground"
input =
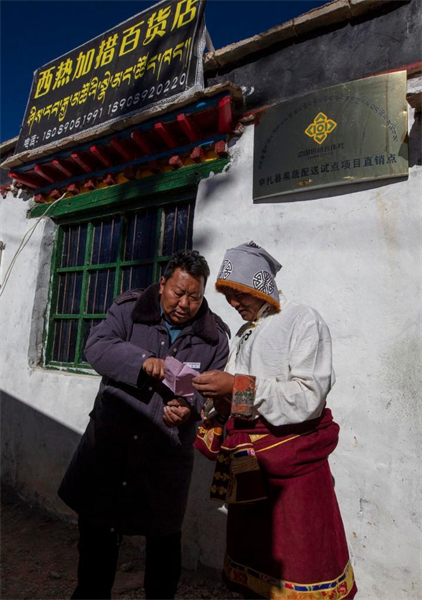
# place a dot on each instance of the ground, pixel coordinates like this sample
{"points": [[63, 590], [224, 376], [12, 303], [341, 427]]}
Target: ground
{"points": [[39, 558]]}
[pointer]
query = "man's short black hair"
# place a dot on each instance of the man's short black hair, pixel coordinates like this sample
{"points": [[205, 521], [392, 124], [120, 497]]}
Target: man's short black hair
{"points": [[189, 261]]}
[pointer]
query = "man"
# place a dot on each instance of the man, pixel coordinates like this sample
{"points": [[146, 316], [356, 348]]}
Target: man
{"points": [[132, 469], [285, 537]]}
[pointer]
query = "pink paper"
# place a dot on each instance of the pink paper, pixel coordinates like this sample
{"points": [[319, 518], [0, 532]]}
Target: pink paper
{"points": [[178, 377]]}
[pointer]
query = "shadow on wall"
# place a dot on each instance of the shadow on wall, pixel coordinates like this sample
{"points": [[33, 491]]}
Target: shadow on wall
{"points": [[212, 185], [415, 146], [35, 453]]}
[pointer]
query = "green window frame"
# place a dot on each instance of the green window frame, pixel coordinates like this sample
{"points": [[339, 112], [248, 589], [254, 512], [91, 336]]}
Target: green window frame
{"points": [[159, 195], [78, 301]]}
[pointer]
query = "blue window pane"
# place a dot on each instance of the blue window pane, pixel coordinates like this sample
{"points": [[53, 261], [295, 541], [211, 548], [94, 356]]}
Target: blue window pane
{"points": [[74, 244], [141, 235], [87, 325], [69, 297], [105, 244], [65, 334], [139, 276], [169, 230], [181, 237], [178, 228], [100, 291]]}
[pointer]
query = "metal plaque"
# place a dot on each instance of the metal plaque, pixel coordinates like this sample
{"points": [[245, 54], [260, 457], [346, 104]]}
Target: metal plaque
{"points": [[343, 134], [153, 56]]}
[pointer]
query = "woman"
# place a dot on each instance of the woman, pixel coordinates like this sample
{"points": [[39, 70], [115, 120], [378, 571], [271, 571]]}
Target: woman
{"points": [[285, 536]]}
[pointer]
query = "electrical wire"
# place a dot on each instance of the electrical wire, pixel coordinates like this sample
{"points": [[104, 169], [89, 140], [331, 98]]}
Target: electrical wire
{"points": [[24, 242]]}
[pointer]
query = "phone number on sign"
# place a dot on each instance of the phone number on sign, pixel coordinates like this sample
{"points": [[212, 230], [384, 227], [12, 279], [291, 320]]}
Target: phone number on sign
{"points": [[113, 109]]}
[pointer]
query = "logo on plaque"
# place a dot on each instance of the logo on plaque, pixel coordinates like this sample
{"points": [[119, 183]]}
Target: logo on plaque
{"points": [[320, 128]]}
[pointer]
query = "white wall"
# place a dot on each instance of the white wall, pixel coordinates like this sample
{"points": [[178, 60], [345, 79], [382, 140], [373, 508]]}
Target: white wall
{"points": [[352, 253], [43, 411]]}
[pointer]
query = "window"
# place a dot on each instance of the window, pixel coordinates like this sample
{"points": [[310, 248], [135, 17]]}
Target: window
{"points": [[97, 259]]}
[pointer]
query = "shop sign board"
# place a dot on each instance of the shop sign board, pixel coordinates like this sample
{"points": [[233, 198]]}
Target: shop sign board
{"points": [[150, 58]]}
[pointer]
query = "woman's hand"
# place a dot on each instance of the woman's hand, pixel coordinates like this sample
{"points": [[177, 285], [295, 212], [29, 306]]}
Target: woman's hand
{"points": [[214, 383]]}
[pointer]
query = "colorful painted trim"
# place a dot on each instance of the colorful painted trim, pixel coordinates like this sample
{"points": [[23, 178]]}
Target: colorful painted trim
{"points": [[277, 589]]}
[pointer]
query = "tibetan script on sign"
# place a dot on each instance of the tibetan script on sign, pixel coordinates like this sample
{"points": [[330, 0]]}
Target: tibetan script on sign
{"points": [[344, 134], [154, 56]]}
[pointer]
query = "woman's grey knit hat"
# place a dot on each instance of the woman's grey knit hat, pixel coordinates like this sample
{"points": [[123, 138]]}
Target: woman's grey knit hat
{"points": [[250, 269]]}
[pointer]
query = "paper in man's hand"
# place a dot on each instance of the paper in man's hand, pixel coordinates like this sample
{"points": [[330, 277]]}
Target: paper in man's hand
{"points": [[178, 377]]}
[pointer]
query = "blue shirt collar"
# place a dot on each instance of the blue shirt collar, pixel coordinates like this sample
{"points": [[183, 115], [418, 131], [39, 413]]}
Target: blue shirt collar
{"points": [[174, 330]]}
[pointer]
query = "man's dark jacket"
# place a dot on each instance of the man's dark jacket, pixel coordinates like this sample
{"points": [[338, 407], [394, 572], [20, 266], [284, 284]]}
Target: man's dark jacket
{"points": [[130, 471]]}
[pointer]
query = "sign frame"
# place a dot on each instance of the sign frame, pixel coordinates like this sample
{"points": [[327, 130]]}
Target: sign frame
{"points": [[344, 134]]}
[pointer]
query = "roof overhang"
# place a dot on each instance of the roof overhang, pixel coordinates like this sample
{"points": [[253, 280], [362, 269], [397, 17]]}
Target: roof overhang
{"points": [[189, 97]]}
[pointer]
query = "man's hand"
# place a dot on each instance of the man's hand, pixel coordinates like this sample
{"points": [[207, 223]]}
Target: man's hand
{"points": [[214, 383], [154, 367], [176, 412]]}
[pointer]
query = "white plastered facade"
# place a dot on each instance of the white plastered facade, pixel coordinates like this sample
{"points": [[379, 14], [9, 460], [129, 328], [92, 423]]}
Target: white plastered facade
{"points": [[353, 253]]}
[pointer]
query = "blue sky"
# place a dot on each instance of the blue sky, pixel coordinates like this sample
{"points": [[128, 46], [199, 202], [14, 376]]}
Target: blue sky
{"points": [[34, 32]]}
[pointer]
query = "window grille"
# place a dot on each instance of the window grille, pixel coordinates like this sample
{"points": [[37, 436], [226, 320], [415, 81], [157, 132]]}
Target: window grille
{"points": [[97, 259]]}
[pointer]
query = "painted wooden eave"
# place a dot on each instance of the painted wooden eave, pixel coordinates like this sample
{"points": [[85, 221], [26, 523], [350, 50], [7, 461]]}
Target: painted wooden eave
{"points": [[17, 160], [193, 135], [333, 14]]}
